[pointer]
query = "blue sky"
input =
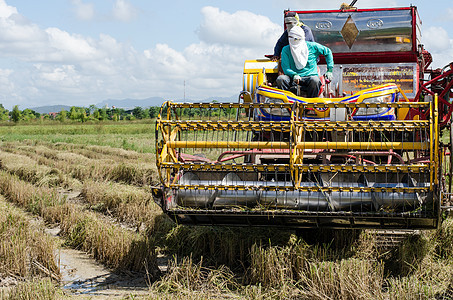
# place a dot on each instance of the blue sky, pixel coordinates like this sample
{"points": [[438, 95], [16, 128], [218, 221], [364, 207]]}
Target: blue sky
{"points": [[80, 52]]}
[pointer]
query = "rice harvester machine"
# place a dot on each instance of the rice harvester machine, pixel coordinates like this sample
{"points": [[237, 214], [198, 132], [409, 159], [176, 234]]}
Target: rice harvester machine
{"points": [[367, 153]]}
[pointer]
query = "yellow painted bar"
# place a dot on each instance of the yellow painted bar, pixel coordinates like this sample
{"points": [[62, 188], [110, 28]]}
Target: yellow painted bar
{"points": [[321, 104], [307, 125], [230, 144], [402, 111], [300, 167], [303, 145]]}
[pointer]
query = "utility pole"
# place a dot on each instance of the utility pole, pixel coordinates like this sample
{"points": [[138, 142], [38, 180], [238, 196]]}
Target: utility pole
{"points": [[184, 90]]}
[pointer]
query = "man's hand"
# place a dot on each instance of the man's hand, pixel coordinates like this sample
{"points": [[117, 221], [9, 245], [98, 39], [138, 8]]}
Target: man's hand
{"points": [[296, 79], [329, 75]]}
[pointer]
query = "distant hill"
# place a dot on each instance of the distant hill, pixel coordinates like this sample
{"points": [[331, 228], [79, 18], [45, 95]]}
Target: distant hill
{"points": [[51, 108], [131, 103], [156, 101], [232, 99]]}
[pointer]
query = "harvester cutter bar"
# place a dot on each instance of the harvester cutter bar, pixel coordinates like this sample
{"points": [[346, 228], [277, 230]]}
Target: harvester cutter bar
{"points": [[305, 168], [323, 189]]}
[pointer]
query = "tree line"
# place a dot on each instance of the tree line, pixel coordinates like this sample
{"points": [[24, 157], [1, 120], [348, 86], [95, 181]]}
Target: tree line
{"points": [[93, 113], [82, 114]]}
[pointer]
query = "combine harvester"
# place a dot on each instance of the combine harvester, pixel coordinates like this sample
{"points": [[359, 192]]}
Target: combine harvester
{"points": [[366, 154]]}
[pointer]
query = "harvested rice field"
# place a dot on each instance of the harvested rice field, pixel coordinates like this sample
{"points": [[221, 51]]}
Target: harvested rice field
{"points": [[78, 221]]}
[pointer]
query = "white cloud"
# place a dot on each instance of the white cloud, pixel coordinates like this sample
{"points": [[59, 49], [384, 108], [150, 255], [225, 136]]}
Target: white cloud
{"points": [[439, 44], [242, 28], [6, 84], [59, 74], [83, 11], [124, 11], [59, 67], [18, 36], [167, 60], [5, 10], [55, 66], [213, 67], [448, 15], [69, 47], [436, 39]]}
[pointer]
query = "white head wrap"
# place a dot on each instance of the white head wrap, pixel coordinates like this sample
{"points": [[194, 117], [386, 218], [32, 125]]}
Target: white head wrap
{"points": [[298, 46]]}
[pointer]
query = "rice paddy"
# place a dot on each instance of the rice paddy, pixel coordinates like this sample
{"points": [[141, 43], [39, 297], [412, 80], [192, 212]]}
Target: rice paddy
{"points": [[91, 181]]}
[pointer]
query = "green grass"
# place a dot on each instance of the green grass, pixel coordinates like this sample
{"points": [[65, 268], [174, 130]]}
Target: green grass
{"points": [[134, 136]]}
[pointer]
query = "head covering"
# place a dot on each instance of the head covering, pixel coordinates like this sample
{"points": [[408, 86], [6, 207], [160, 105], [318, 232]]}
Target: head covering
{"points": [[291, 20], [298, 46]]}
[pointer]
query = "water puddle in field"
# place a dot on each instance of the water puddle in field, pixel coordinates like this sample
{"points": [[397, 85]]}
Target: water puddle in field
{"points": [[82, 275]]}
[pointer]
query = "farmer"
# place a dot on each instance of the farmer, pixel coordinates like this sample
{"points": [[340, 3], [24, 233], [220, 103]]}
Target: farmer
{"points": [[299, 63], [291, 20]]}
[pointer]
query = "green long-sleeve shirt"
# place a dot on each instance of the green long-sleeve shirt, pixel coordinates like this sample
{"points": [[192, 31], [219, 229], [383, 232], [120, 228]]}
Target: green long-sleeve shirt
{"points": [[311, 68]]}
